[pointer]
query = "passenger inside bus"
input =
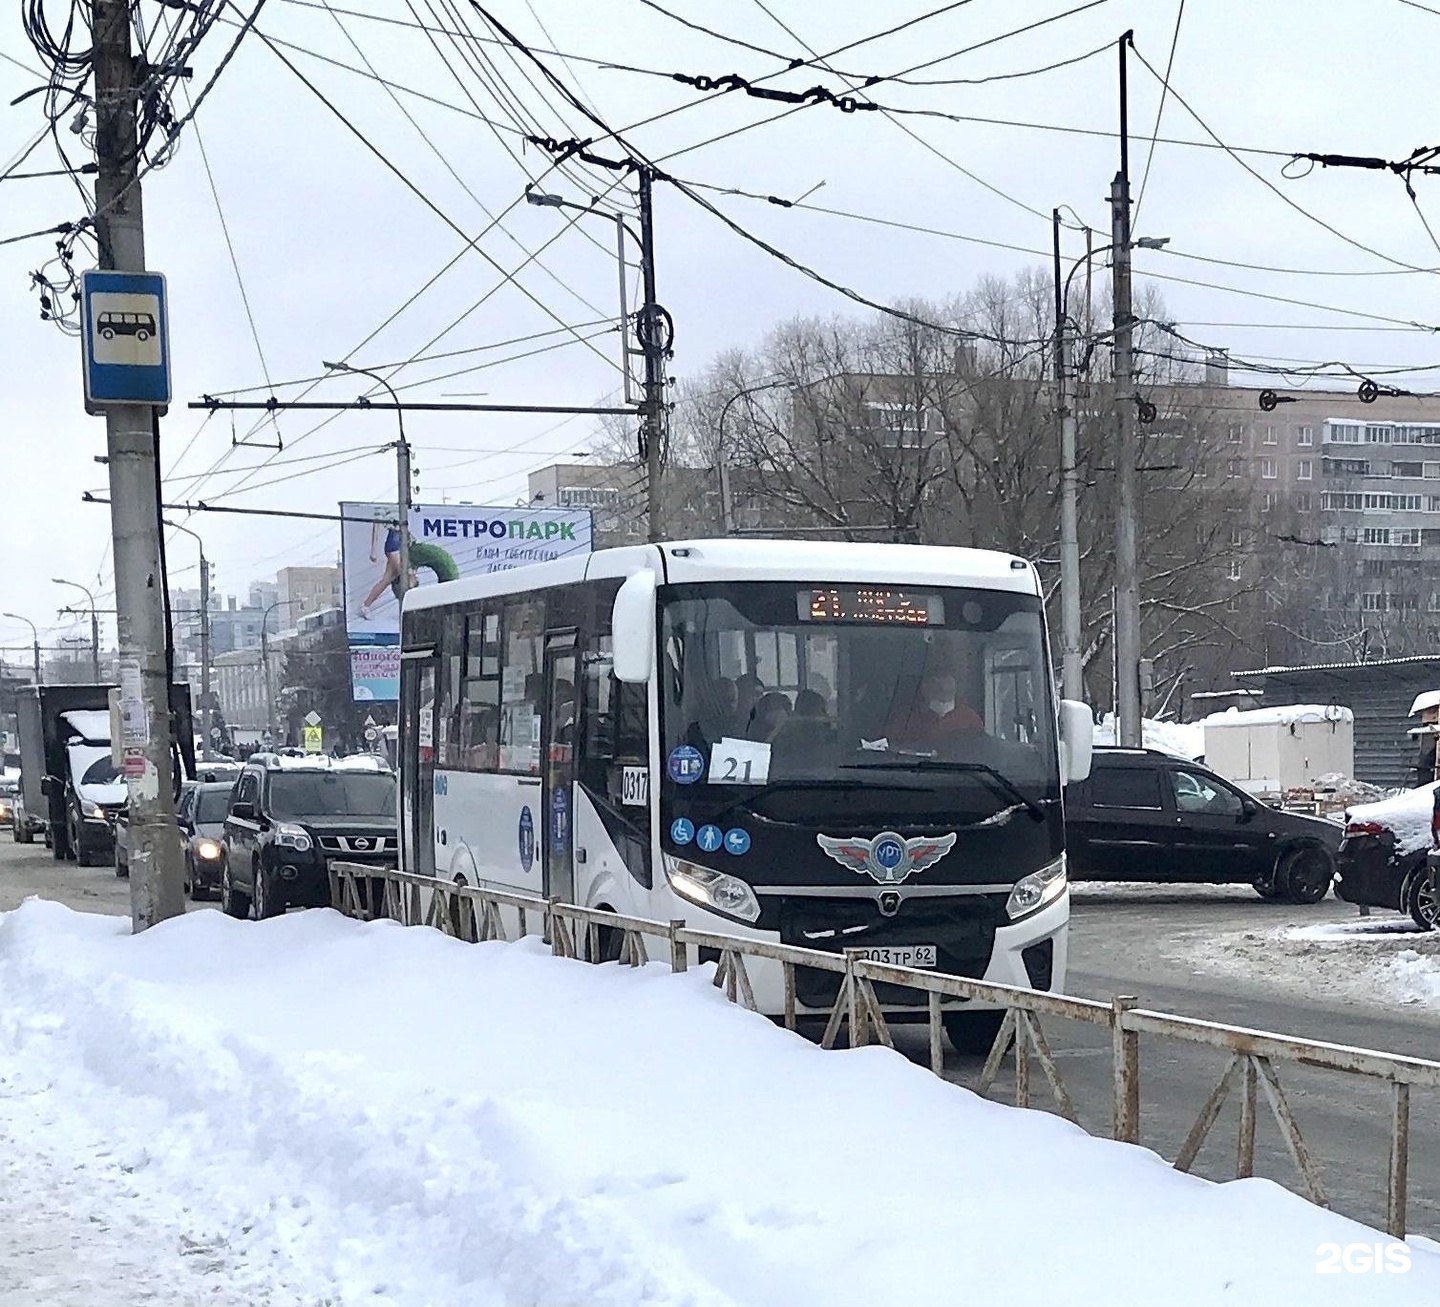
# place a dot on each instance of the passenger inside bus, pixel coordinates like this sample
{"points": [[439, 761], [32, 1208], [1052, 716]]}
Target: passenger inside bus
{"points": [[770, 714], [807, 736]]}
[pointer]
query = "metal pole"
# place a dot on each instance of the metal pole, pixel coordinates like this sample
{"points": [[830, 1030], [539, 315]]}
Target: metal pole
{"points": [[156, 866], [1127, 577], [650, 331], [1072, 677], [727, 517], [265, 671], [402, 481], [207, 709], [402, 469]]}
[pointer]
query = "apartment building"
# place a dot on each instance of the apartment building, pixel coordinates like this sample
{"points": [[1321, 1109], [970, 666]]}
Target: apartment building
{"points": [[307, 590], [1357, 484]]}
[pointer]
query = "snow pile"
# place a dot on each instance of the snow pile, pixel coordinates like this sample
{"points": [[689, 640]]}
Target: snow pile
{"points": [[1183, 739], [326, 1111], [1415, 977], [1408, 814], [1280, 715], [1378, 961]]}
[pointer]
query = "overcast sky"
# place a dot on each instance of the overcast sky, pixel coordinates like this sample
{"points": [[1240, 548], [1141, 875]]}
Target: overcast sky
{"points": [[330, 243]]}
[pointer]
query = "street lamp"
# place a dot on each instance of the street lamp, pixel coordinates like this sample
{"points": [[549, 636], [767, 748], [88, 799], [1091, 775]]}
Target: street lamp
{"points": [[653, 327], [1072, 676], [402, 467], [35, 637], [722, 468], [265, 662], [94, 624], [207, 712]]}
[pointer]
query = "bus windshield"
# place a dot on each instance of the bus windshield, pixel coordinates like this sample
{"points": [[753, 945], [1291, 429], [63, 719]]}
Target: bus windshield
{"points": [[940, 691]]}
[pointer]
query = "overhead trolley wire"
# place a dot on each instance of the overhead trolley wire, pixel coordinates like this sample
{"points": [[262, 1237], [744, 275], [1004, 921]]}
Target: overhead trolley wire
{"points": [[439, 154], [1268, 184]]}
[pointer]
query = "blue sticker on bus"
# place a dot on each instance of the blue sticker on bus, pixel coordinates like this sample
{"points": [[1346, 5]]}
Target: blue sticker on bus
{"points": [[686, 764], [708, 839], [737, 841], [527, 839], [559, 821], [442, 783], [682, 830]]}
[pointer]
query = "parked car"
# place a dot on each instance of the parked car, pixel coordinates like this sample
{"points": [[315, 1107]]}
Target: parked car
{"points": [[9, 792], [25, 824], [1384, 861], [1144, 815], [200, 815], [288, 817]]}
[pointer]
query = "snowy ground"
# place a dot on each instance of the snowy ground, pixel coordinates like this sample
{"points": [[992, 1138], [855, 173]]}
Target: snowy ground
{"points": [[1384, 959], [312, 1111]]}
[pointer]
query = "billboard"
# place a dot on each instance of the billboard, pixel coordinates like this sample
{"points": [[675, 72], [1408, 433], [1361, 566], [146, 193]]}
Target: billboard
{"points": [[447, 541]]}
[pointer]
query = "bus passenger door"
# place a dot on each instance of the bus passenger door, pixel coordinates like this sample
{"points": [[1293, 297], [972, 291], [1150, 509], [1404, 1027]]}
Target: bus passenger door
{"points": [[560, 727], [419, 677]]}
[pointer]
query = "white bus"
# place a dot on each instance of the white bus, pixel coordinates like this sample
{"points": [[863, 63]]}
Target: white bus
{"points": [[830, 745]]}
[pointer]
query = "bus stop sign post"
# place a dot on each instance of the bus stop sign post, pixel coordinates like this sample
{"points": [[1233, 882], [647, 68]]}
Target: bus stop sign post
{"points": [[125, 340]]}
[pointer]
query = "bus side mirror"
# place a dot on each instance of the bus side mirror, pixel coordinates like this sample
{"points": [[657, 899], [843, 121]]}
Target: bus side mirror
{"points": [[632, 626], [1077, 740]]}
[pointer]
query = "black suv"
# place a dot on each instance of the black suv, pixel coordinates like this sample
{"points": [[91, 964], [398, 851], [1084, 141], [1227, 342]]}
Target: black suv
{"points": [[1143, 815], [288, 818]]}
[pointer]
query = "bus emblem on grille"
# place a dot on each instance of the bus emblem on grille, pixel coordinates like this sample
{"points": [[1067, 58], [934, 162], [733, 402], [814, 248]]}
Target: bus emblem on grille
{"points": [[888, 858]]}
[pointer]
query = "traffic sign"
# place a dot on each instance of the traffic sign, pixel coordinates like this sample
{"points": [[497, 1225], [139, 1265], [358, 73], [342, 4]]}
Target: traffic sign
{"points": [[125, 339], [313, 738], [312, 718]]}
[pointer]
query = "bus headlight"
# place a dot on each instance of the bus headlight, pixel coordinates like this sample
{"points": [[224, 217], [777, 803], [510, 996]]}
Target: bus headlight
{"points": [[1037, 889], [208, 850], [728, 895]]}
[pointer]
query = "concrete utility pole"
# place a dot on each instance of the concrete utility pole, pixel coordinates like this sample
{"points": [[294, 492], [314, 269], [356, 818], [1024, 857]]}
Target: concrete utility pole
{"points": [[1127, 573], [404, 498], [1072, 674], [655, 334], [207, 718], [156, 863]]}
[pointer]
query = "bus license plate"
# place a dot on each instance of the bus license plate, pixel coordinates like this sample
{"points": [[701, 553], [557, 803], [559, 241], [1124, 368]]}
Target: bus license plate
{"points": [[899, 955]]}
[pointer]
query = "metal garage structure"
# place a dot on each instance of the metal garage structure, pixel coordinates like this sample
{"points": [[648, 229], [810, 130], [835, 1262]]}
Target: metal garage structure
{"points": [[1379, 693]]}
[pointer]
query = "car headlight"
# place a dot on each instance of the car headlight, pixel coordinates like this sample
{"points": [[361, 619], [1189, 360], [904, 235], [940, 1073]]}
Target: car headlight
{"points": [[1037, 889], [290, 836], [727, 895], [209, 850], [88, 809]]}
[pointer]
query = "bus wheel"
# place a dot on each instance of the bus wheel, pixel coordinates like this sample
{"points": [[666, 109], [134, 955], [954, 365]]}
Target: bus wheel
{"points": [[972, 1032]]}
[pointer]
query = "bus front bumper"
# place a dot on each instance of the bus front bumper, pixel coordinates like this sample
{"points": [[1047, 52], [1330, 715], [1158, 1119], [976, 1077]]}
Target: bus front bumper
{"points": [[1031, 953]]}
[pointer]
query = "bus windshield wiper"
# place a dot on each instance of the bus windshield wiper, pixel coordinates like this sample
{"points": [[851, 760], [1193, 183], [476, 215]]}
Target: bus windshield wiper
{"points": [[922, 762]]}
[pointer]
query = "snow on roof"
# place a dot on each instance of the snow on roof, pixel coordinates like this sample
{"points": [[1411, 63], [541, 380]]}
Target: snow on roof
{"points": [[92, 723], [1341, 667], [1281, 715], [1407, 814], [550, 1178], [1183, 740], [1425, 699]]}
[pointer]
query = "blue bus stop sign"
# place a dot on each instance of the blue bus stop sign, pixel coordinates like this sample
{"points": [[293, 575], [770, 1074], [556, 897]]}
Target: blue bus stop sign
{"points": [[125, 339]]}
